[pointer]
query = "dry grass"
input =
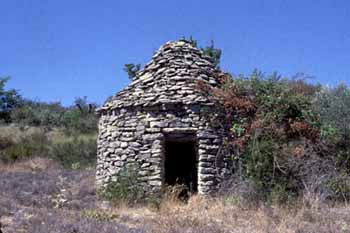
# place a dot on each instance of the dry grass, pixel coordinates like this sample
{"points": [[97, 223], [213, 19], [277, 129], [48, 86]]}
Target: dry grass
{"points": [[224, 217], [30, 165], [217, 216], [58, 136], [17, 133], [30, 193]]}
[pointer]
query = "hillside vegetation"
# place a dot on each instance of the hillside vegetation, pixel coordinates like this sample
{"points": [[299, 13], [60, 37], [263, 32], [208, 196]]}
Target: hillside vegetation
{"points": [[287, 136], [289, 142], [39, 129]]}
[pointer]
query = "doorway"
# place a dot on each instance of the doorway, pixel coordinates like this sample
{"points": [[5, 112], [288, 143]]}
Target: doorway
{"points": [[181, 163]]}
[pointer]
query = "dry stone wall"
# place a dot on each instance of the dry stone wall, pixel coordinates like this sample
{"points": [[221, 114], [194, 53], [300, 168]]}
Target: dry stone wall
{"points": [[170, 77], [162, 100]]}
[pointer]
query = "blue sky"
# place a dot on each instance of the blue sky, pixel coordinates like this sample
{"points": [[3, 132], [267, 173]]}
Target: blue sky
{"points": [[59, 50]]}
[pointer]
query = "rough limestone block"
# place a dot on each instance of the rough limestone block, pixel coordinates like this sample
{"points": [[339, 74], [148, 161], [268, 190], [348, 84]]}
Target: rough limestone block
{"points": [[123, 145]]}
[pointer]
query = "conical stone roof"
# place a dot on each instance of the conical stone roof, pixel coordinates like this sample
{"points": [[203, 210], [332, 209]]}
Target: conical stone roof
{"points": [[170, 77]]}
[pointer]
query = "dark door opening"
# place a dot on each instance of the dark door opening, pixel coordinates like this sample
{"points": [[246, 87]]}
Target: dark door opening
{"points": [[181, 164]]}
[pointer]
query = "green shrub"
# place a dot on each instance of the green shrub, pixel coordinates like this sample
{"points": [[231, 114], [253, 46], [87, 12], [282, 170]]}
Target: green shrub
{"points": [[5, 142], [123, 188], [32, 113], [9, 99], [343, 159], [99, 215], [28, 146], [74, 153], [280, 99], [18, 143], [271, 120], [264, 167], [329, 132], [333, 106], [281, 194], [77, 122], [340, 187], [80, 118], [77, 119], [259, 162]]}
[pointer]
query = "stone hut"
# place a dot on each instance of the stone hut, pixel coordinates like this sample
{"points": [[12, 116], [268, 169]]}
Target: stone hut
{"points": [[160, 125]]}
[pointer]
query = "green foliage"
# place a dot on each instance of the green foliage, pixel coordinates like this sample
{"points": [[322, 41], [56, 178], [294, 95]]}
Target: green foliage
{"points": [[276, 106], [32, 113], [282, 193], [27, 146], [132, 69], [74, 153], [80, 119], [259, 161], [271, 122], [237, 129], [328, 131], [340, 187], [76, 119], [99, 215], [264, 167], [123, 188], [333, 106], [343, 158], [8, 100], [213, 53], [278, 100], [192, 41]]}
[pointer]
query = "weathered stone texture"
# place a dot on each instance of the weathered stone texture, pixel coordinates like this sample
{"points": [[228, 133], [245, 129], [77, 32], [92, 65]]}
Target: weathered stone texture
{"points": [[162, 99]]}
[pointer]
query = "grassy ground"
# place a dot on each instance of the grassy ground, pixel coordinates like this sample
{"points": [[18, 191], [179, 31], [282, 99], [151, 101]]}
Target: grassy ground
{"points": [[39, 196]]}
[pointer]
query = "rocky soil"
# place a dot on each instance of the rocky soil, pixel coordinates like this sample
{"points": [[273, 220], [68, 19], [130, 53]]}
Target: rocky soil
{"points": [[39, 196]]}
